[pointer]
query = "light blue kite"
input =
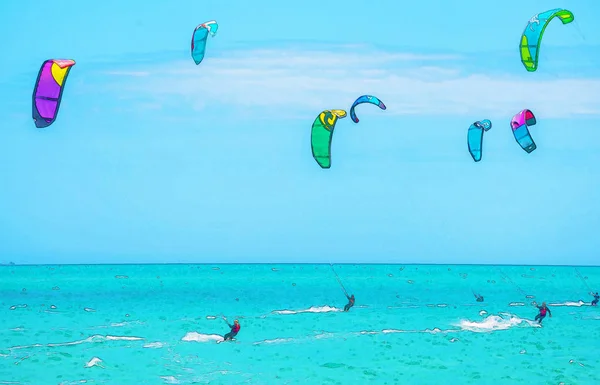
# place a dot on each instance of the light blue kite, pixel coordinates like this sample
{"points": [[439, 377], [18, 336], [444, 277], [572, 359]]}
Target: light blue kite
{"points": [[475, 138], [365, 99], [199, 38]]}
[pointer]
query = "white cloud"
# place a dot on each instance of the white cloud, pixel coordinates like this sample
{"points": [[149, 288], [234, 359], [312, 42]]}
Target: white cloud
{"points": [[299, 80], [129, 73]]}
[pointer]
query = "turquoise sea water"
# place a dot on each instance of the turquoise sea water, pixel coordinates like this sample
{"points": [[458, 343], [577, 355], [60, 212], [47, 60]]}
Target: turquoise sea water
{"points": [[412, 324]]}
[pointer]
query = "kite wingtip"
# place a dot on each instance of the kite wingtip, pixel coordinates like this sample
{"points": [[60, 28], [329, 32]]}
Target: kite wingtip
{"points": [[41, 123], [64, 63]]}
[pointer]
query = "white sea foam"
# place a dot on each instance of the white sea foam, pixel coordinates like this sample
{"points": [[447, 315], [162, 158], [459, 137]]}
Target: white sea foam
{"points": [[154, 345], [92, 339], [490, 323], [312, 309], [170, 380], [571, 304], [95, 361], [199, 337]]}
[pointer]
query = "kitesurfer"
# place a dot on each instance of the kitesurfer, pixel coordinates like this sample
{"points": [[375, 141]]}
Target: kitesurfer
{"points": [[350, 302], [543, 309], [235, 328], [479, 297], [596, 298]]}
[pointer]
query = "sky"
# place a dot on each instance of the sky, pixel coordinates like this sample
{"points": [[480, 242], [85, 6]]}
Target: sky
{"points": [[153, 159]]}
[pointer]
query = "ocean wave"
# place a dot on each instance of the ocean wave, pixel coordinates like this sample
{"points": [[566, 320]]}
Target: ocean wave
{"points": [[394, 331], [503, 321], [566, 303], [430, 331], [324, 335], [73, 382], [92, 339], [275, 341], [170, 379], [117, 324], [571, 304], [154, 345], [316, 336], [51, 311], [312, 309]]}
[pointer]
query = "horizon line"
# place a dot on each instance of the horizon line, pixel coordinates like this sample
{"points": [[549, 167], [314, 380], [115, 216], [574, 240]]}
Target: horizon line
{"points": [[290, 263]]}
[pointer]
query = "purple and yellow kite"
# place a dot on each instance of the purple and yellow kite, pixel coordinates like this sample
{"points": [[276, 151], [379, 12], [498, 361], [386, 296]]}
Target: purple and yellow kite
{"points": [[48, 90]]}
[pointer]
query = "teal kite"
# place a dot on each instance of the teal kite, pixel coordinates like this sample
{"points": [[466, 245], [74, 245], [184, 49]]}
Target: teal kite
{"points": [[532, 36], [475, 138], [199, 38]]}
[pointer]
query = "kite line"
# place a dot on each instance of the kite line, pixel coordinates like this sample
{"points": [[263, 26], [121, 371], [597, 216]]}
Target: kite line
{"points": [[339, 280]]}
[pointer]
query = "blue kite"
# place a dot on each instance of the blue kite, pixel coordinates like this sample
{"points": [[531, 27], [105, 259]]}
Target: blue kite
{"points": [[475, 138], [365, 99], [199, 38]]}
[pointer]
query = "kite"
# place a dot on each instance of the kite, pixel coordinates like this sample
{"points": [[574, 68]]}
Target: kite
{"points": [[532, 36], [322, 132], [365, 99], [519, 124], [199, 39], [475, 138], [48, 90]]}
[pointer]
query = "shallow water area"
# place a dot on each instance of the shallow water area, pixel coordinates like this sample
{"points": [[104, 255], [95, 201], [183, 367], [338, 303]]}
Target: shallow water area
{"points": [[163, 324]]}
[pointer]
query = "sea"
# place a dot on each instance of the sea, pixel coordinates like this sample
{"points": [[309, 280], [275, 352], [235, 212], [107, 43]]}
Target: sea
{"points": [[411, 324]]}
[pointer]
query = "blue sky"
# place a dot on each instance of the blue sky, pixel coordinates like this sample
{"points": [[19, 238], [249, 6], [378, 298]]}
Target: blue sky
{"points": [[155, 159]]}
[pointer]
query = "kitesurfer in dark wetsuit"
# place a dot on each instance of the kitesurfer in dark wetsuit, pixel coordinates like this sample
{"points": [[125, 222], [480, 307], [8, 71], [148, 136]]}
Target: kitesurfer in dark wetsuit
{"points": [[235, 328], [596, 298], [543, 309], [479, 297], [350, 302]]}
